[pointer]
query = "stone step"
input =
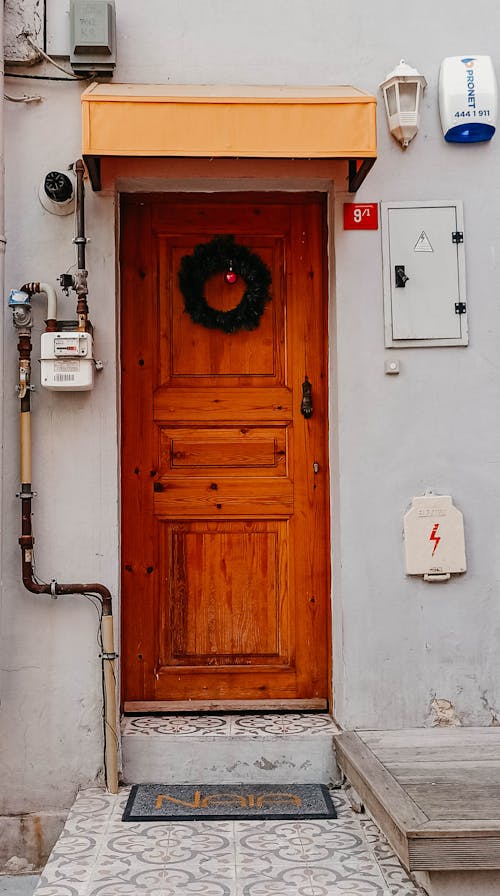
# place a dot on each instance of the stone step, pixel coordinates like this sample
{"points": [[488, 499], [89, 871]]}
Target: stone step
{"points": [[225, 749]]}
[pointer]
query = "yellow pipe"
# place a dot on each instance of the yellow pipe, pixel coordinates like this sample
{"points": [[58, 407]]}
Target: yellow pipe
{"points": [[110, 716]]}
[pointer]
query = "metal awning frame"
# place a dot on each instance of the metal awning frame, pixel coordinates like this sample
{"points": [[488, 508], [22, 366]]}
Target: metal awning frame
{"points": [[358, 170]]}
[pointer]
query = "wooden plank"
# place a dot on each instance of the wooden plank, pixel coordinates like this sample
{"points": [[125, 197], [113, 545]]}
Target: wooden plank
{"points": [[199, 706], [417, 737], [195, 497], [227, 450], [461, 828], [138, 452], [468, 771], [449, 853], [390, 806], [461, 752], [184, 405], [450, 801]]}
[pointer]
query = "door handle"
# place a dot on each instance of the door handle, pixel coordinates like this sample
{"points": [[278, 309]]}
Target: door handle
{"points": [[306, 405], [400, 275]]}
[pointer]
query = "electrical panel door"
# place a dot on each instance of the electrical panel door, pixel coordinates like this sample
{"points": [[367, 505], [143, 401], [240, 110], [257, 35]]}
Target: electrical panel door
{"points": [[424, 279]]}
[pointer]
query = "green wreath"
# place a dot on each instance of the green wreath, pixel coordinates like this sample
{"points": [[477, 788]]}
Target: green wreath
{"points": [[220, 255]]}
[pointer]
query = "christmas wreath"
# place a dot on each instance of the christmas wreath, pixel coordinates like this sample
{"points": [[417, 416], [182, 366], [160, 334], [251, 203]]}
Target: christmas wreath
{"points": [[223, 255]]}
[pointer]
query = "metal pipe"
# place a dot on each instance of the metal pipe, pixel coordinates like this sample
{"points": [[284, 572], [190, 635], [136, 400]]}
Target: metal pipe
{"points": [[51, 321], [80, 240], [81, 288], [110, 733], [55, 588]]}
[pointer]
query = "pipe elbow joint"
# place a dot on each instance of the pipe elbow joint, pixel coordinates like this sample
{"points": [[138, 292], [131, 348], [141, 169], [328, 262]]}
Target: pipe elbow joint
{"points": [[39, 287]]}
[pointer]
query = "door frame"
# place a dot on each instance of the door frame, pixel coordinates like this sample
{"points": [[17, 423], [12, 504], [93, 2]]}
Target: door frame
{"points": [[276, 186]]}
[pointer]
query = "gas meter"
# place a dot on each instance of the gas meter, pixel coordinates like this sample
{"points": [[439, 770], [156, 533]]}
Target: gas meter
{"points": [[67, 361]]}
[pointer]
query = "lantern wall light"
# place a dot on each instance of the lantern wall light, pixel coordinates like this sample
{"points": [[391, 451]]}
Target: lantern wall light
{"points": [[403, 89]]}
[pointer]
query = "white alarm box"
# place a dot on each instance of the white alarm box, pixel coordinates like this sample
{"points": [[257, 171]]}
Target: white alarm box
{"points": [[467, 99], [67, 361]]}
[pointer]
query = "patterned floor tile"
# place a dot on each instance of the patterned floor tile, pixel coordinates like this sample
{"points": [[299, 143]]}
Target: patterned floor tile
{"points": [[99, 855], [248, 725], [337, 881], [177, 725], [397, 880], [290, 880], [268, 843], [204, 850], [276, 724], [51, 889], [148, 847], [321, 845]]}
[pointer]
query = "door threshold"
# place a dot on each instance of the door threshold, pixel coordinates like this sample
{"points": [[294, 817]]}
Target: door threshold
{"points": [[201, 706]]}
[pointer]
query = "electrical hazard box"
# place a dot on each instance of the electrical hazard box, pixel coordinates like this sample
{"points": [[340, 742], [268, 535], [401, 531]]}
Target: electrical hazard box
{"points": [[434, 538], [424, 274]]}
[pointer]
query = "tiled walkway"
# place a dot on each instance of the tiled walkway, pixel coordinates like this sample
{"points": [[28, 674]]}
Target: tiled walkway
{"points": [[99, 855], [250, 725]]}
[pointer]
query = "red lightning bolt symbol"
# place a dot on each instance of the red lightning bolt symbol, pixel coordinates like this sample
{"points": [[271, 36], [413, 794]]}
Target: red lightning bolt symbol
{"points": [[434, 537]]}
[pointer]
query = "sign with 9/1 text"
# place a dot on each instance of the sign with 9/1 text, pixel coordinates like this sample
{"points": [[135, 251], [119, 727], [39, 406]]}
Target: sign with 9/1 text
{"points": [[360, 216]]}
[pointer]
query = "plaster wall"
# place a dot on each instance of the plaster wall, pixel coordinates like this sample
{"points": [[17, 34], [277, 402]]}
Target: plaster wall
{"points": [[399, 644]]}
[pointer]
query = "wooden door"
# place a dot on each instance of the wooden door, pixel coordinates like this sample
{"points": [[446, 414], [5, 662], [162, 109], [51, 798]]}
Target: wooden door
{"points": [[225, 561]]}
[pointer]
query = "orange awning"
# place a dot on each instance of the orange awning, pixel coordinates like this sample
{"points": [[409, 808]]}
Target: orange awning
{"points": [[158, 120]]}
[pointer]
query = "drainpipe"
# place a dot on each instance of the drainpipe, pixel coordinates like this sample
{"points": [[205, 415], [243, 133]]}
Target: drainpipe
{"points": [[20, 302]]}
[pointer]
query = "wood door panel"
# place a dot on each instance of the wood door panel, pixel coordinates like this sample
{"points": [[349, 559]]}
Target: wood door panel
{"points": [[189, 350], [185, 405], [226, 497], [225, 523], [222, 213], [228, 596], [244, 450]]}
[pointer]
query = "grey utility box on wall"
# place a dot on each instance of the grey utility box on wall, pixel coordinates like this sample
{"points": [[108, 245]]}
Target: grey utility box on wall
{"points": [[93, 37], [424, 274]]}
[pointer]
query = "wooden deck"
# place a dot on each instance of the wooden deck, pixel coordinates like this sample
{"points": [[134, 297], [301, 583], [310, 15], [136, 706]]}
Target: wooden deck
{"points": [[434, 792]]}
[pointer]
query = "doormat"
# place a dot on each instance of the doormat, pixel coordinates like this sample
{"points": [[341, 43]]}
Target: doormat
{"points": [[208, 802]]}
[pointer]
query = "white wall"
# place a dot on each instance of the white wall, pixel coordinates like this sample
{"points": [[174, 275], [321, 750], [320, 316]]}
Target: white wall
{"points": [[50, 682], [398, 642]]}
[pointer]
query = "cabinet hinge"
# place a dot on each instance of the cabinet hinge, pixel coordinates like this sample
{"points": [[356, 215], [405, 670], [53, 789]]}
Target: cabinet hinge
{"points": [[457, 236], [460, 307]]}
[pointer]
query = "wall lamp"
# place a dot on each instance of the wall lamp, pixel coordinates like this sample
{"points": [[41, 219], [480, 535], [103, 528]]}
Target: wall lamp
{"points": [[403, 89]]}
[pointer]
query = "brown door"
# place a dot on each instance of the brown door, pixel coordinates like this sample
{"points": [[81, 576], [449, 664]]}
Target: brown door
{"points": [[225, 561]]}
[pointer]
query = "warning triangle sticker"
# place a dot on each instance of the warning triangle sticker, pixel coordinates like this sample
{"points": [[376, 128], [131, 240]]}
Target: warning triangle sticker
{"points": [[423, 243]]}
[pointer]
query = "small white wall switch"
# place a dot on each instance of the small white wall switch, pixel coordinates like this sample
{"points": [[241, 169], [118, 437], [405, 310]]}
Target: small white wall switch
{"points": [[392, 366]]}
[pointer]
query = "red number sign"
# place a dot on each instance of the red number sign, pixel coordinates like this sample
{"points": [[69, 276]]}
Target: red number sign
{"points": [[360, 216]]}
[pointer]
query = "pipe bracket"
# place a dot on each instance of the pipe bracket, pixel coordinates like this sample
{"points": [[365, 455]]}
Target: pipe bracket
{"points": [[26, 495], [53, 586], [109, 656]]}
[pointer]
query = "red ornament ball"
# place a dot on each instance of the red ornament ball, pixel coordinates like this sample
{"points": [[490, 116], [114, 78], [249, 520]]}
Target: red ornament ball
{"points": [[230, 277]]}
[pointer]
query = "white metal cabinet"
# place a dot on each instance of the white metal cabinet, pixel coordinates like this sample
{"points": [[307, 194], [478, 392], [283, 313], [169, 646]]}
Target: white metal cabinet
{"points": [[424, 274]]}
